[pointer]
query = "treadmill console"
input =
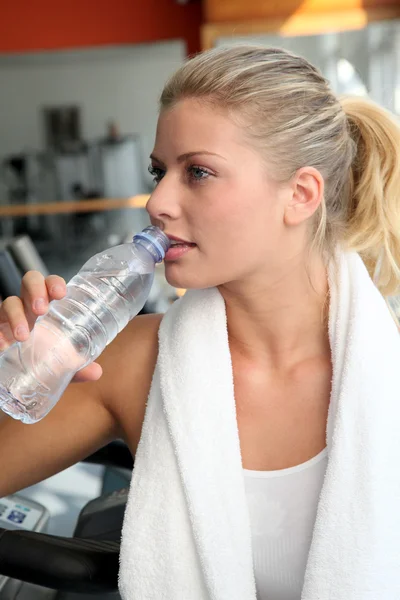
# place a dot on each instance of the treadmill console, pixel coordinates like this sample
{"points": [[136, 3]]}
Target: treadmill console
{"points": [[17, 512]]}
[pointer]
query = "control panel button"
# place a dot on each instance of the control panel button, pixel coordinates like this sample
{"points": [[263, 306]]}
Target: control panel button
{"points": [[16, 516]]}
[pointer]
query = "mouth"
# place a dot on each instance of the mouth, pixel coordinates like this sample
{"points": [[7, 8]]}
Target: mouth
{"points": [[178, 248], [175, 241]]}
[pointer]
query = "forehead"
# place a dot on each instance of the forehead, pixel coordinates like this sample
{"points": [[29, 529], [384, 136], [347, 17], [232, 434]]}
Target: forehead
{"points": [[194, 122]]}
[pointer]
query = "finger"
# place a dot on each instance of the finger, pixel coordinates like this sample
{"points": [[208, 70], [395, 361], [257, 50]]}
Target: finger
{"points": [[56, 287], [13, 313], [6, 336], [92, 372], [34, 295]]}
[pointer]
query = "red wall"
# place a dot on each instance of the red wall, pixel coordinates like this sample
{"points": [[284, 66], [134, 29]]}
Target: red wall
{"points": [[29, 25]]}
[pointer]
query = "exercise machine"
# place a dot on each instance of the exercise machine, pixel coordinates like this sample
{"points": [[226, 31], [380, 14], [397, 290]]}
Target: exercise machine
{"points": [[38, 566]]}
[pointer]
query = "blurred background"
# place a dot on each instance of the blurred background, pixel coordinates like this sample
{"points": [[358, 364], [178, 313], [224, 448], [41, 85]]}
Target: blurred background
{"points": [[79, 85], [79, 88]]}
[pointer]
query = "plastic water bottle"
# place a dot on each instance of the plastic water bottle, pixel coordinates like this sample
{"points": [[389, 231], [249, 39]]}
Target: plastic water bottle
{"points": [[109, 290]]}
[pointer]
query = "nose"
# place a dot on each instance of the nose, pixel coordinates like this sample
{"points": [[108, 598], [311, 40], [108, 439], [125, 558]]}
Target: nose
{"points": [[163, 204]]}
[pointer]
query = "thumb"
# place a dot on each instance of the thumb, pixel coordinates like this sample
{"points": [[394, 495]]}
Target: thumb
{"points": [[92, 372]]}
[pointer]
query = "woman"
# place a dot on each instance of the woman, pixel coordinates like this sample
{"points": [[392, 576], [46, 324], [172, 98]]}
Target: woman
{"points": [[260, 172]]}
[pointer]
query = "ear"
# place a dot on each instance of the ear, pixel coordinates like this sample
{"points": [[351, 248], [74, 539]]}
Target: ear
{"points": [[307, 186]]}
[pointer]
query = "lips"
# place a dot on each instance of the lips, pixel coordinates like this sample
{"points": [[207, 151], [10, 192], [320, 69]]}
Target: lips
{"points": [[174, 244], [179, 247], [176, 241]]}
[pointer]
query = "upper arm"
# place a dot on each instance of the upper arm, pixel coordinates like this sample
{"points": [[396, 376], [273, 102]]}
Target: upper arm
{"points": [[127, 374], [87, 416]]}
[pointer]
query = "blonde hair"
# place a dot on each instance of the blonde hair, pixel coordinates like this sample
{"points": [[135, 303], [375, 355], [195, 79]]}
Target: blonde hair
{"points": [[290, 112]]}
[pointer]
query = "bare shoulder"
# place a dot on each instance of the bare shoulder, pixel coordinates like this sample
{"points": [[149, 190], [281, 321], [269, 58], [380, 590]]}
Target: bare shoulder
{"points": [[128, 366]]}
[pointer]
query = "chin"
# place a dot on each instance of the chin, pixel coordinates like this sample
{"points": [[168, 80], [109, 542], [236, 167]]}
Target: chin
{"points": [[186, 283], [181, 278]]}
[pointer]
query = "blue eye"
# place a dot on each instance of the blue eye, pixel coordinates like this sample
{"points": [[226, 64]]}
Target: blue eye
{"points": [[195, 174], [156, 173], [198, 173]]}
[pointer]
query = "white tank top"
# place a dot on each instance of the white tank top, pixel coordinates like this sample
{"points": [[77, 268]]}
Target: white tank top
{"points": [[282, 508]]}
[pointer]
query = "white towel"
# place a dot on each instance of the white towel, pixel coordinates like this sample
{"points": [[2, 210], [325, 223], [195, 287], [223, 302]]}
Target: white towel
{"points": [[186, 533]]}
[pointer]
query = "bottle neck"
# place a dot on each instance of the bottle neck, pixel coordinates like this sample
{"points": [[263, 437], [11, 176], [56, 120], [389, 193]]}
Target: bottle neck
{"points": [[155, 242], [149, 246]]}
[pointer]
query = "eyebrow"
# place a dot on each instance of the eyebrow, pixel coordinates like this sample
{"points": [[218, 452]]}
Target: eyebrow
{"points": [[187, 155]]}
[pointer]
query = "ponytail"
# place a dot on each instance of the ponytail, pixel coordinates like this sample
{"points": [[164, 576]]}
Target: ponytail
{"points": [[373, 220]]}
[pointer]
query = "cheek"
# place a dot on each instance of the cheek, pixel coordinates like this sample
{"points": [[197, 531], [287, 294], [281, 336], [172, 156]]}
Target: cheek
{"points": [[224, 228], [229, 206], [250, 230], [234, 218], [226, 239], [244, 217]]}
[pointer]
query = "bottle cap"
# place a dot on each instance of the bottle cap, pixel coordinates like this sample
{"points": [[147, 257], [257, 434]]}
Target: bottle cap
{"points": [[157, 238]]}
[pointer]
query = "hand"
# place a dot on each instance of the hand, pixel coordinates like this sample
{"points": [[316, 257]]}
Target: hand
{"points": [[18, 315]]}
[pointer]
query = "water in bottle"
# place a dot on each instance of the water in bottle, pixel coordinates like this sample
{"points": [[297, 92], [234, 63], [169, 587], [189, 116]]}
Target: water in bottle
{"points": [[109, 290]]}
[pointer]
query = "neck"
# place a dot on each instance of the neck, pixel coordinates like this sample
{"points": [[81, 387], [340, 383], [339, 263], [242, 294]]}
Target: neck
{"points": [[280, 319]]}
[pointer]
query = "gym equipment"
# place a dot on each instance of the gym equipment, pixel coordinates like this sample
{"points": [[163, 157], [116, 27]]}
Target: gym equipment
{"points": [[37, 566], [10, 276], [17, 256], [25, 255]]}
